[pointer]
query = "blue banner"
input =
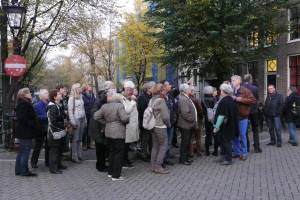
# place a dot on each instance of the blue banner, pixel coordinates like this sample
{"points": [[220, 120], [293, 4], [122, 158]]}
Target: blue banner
{"points": [[171, 75], [155, 72]]}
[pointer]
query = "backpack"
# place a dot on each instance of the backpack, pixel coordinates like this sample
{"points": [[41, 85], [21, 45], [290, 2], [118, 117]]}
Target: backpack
{"points": [[210, 113], [296, 108], [148, 117]]}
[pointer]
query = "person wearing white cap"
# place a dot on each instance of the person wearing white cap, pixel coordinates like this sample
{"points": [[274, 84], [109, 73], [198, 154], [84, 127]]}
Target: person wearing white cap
{"points": [[132, 128]]}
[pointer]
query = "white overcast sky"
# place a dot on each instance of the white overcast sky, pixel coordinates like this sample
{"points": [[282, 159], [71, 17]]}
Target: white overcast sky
{"points": [[126, 6]]}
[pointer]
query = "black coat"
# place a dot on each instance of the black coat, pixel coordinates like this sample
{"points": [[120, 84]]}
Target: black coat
{"points": [[27, 126], [96, 130], [208, 102], [56, 122], [273, 105], [230, 127], [288, 106], [142, 104]]}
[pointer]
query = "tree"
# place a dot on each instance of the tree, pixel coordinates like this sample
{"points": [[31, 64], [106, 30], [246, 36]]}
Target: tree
{"points": [[141, 49], [215, 31]]}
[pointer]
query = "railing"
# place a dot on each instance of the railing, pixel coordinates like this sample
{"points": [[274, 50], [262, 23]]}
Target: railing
{"points": [[7, 124]]}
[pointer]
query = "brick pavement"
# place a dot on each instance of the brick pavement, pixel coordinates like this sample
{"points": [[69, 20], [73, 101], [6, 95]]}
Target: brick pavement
{"points": [[272, 175]]}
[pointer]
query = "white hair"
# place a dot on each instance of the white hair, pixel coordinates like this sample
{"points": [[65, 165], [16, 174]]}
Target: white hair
{"points": [[208, 89], [226, 88], [236, 77], [184, 87], [43, 93], [108, 85], [128, 84], [75, 90]]}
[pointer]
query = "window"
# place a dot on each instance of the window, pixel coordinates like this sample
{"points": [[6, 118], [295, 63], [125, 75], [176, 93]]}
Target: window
{"points": [[294, 18], [272, 65], [253, 40], [295, 71], [253, 70]]}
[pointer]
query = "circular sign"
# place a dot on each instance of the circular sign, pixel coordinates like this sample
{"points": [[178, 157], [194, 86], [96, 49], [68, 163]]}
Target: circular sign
{"points": [[15, 65]]}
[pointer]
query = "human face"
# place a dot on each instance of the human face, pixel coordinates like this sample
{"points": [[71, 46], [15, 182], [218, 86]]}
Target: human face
{"points": [[167, 87], [58, 98], [28, 96], [289, 92], [235, 83], [62, 91], [129, 91], [271, 89]]}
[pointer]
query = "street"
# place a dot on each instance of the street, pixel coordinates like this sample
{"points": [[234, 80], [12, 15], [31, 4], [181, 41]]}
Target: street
{"points": [[272, 175]]}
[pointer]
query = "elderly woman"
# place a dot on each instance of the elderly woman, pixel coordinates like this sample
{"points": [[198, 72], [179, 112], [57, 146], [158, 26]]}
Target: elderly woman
{"points": [[132, 128], [26, 130], [187, 120], [78, 120], [114, 117], [208, 103], [159, 133], [226, 123], [41, 111]]}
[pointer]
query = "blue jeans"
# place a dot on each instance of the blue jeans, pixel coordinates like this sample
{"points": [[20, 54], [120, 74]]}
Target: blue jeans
{"points": [[274, 125], [293, 132], [23, 157], [239, 144], [170, 132]]}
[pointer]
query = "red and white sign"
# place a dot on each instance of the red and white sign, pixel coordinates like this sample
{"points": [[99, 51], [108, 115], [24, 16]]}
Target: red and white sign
{"points": [[15, 65]]}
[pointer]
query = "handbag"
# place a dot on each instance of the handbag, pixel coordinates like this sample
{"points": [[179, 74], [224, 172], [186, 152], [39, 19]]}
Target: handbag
{"points": [[55, 134]]}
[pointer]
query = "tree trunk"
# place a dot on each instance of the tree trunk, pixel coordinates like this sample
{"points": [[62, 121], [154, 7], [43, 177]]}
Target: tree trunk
{"points": [[93, 65]]}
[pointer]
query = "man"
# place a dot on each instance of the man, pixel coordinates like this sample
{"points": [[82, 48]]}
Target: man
{"points": [[132, 128], [272, 111], [89, 100], [170, 101], [244, 99], [41, 111], [291, 113], [187, 120], [253, 117], [145, 135]]}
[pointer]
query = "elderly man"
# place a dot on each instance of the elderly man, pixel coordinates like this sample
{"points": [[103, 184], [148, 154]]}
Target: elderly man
{"points": [[41, 110], [244, 99], [145, 135], [187, 120], [132, 128]]}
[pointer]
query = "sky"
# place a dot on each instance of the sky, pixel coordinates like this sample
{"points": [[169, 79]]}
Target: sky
{"points": [[126, 6]]}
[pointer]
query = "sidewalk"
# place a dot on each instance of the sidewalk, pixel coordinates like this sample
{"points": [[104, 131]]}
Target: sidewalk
{"points": [[272, 175]]}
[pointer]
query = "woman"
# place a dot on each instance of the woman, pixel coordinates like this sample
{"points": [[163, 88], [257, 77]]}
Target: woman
{"points": [[56, 123], [226, 123], [26, 130], [115, 118], [290, 118], [159, 133], [209, 103], [78, 120], [41, 110]]}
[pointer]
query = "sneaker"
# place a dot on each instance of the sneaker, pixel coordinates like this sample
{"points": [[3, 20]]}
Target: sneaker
{"points": [[161, 171], [243, 158], [109, 176], [118, 179], [278, 145], [225, 162]]}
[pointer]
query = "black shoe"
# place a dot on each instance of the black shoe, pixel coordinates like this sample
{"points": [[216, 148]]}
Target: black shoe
{"points": [[168, 162], [175, 145], [185, 163], [271, 144], [190, 160], [145, 159], [215, 153], [278, 145], [225, 162], [29, 174], [236, 156], [207, 153], [17, 174], [56, 172], [62, 167], [75, 161], [257, 150], [295, 144]]}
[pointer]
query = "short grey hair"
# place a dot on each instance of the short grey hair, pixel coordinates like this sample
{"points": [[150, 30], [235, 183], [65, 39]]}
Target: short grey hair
{"points": [[43, 93], [184, 87], [248, 78], [226, 88], [108, 85], [236, 77], [128, 84], [208, 90], [148, 85]]}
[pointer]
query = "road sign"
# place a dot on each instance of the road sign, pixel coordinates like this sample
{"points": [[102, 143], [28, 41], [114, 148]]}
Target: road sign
{"points": [[15, 65]]}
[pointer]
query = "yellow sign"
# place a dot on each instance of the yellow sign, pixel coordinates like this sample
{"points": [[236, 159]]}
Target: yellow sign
{"points": [[272, 65]]}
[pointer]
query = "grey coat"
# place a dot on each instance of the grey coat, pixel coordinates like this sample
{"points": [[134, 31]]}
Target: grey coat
{"points": [[115, 118], [161, 112], [186, 113]]}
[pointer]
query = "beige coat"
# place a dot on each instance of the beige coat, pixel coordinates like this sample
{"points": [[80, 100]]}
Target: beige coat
{"points": [[186, 113]]}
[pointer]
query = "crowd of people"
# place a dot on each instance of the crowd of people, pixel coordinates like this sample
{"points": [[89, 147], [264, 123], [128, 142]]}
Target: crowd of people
{"points": [[151, 122]]}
